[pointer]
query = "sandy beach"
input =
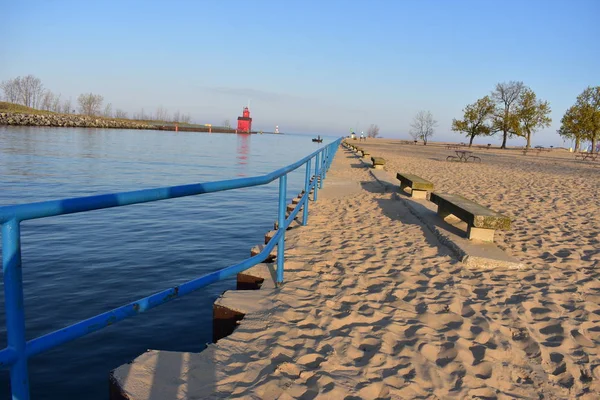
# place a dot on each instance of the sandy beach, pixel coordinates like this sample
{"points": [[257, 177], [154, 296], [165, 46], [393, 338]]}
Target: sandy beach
{"points": [[375, 307]]}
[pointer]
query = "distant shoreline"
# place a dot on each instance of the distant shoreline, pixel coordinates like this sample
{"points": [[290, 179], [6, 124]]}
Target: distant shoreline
{"points": [[81, 121]]}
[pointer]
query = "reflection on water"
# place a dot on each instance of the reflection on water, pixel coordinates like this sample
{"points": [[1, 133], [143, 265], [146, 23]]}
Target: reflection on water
{"points": [[243, 148]]}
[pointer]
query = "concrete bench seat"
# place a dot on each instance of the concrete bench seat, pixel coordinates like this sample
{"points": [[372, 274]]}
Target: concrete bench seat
{"points": [[481, 221], [378, 162], [418, 186]]}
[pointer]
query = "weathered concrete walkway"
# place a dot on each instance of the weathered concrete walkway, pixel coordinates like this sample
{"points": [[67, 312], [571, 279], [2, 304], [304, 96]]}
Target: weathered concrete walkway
{"points": [[373, 306]]}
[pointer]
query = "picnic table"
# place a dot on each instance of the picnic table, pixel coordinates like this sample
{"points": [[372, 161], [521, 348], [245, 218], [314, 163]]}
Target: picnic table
{"points": [[463, 156], [585, 156]]}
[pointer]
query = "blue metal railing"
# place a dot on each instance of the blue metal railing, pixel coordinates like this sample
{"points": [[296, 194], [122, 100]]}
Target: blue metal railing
{"points": [[18, 350]]}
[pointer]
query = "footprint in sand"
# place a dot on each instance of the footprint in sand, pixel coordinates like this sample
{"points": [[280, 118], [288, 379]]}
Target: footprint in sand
{"points": [[376, 390], [524, 341], [478, 352], [482, 393], [582, 340], [312, 360], [555, 332], [289, 370], [483, 370], [440, 355]]}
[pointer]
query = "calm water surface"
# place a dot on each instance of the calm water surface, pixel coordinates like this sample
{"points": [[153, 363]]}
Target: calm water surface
{"points": [[76, 266]]}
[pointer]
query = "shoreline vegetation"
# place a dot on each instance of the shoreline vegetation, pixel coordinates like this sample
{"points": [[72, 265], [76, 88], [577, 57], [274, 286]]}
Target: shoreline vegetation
{"points": [[18, 115]]}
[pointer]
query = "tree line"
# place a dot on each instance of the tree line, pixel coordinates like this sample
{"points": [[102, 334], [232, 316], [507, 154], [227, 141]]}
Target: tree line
{"points": [[29, 91], [514, 110]]}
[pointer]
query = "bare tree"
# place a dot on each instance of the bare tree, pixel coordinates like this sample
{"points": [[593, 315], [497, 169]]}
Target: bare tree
{"points": [[373, 131], [141, 116], [186, 118], [31, 90], [505, 119], [56, 104], [161, 114], [120, 114], [176, 116], [11, 90], [423, 126], [90, 104], [226, 123], [66, 106], [108, 110], [27, 91], [47, 100]]}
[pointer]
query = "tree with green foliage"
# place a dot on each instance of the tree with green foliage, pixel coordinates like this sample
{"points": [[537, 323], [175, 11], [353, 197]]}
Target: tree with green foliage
{"points": [[571, 127], [532, 114], [475, 119], [582, 120], [505, 120], [589, 101]]}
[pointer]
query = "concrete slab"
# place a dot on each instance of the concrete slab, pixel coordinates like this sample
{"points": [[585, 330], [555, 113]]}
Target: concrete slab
{"points": [[261, 276], [335, 189], [451, 232], [260, 247], [246, 301], [386, 179], [269, 235]]}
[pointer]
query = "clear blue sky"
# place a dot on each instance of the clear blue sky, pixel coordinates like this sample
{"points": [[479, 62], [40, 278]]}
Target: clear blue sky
{"points": [[307, 66]]}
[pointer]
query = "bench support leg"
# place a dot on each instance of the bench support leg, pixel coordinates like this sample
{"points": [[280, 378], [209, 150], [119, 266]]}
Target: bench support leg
{"points": [[443, 213], [378, 166], [402, 187], [418, 194], [485, 235]]}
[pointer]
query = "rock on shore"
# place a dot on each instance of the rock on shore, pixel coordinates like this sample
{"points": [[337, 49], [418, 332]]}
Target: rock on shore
{"points": [[68, 121]]}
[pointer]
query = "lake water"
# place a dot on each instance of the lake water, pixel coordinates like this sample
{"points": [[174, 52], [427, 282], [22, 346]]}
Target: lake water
{"points": [[76, 266]]}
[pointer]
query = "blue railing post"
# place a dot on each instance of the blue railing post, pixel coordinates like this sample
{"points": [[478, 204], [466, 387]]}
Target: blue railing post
{"points": [[316, 177], [15, 313], [321, 169], [306, 190], [325, 165], [281, 219]]}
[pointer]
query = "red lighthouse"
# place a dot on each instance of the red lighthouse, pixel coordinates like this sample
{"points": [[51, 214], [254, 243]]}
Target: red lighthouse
{"points": [[245, 122]]}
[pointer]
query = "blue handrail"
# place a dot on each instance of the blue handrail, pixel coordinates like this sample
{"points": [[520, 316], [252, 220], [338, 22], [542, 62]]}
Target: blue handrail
{"points": [[18, 350]]}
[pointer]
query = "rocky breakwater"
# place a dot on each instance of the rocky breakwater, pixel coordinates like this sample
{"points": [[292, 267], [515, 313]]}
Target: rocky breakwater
{"points": [[68, 120]]}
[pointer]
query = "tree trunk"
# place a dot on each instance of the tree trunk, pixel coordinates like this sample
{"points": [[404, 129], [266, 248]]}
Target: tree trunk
{"points": [[528, 140], [577, 144], [593, 144], [471, 141], [504, 140]]}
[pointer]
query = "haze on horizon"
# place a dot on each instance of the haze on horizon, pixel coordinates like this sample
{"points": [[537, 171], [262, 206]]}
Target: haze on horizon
{"points": [[309, 67]]}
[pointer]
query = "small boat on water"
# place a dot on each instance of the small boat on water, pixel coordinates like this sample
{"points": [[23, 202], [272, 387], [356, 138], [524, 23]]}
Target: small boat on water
{"points": [[317, 139]]}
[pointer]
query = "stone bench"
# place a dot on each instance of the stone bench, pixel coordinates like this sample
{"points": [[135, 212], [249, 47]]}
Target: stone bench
{"points": [[481, 221], [378, 162], [366, 154], [418, 186]]}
